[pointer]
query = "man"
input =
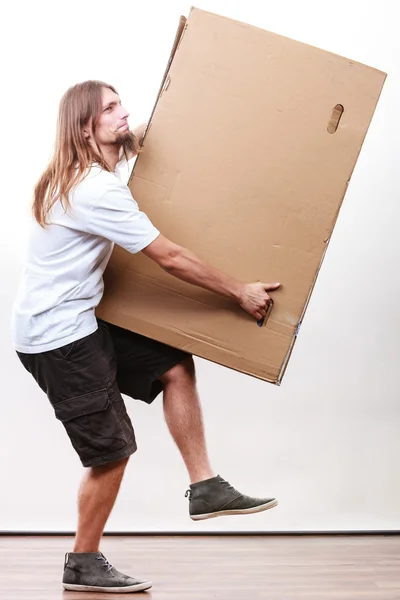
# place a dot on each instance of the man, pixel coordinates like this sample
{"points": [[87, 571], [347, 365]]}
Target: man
{"points": [[81, 208]]}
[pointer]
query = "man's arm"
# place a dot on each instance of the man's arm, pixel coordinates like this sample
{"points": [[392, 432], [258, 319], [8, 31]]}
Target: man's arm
{"points": [[185, 265]]}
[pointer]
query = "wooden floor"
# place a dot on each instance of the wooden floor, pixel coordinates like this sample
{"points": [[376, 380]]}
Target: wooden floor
{"points": [[215, 567]]}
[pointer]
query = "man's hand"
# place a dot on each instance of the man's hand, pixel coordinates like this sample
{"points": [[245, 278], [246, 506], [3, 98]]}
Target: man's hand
{"points": [[253, 298], [138, 131]]}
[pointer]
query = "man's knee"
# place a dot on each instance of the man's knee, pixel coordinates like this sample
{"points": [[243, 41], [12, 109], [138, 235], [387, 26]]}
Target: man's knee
{"points": [[183, 370], [114, 465]]}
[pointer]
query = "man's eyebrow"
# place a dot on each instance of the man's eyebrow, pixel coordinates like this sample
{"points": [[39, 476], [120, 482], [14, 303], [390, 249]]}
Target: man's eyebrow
{"points": [[113, 103]]}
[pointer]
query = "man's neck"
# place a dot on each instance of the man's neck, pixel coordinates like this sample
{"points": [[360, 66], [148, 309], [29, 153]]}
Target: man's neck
{"points": [[111, 156]]}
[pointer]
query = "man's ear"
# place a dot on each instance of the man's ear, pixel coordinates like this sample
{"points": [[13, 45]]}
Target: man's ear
{"points": [[87, 129]]}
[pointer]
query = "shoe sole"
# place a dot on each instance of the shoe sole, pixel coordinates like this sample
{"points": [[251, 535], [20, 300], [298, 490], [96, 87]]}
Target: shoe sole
{"points": [[242, 511], [114, 590]]}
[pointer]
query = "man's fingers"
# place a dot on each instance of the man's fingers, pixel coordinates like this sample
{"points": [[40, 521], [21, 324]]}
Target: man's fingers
{"points": [[271, 286]]}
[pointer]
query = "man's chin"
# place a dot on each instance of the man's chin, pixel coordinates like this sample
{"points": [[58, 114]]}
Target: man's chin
{"points": [[124, 136], [128, 141]]}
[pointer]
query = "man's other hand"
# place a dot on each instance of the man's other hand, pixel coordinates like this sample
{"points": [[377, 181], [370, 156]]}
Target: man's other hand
{"points": [[254, 299]]}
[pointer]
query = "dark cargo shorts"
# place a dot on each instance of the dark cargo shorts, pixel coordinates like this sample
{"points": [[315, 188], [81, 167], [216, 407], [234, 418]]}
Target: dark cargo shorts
{"points": [[84, 381]]}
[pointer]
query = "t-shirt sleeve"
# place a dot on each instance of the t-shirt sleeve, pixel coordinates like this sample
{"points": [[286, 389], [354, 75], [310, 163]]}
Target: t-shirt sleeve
{"points": [[116, 217]]}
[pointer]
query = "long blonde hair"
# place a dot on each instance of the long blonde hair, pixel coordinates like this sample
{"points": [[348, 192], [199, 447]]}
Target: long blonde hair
{"points": [[73, 155]]}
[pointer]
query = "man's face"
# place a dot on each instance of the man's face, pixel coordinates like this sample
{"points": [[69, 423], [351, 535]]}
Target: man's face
{"points": [[112, 127]]}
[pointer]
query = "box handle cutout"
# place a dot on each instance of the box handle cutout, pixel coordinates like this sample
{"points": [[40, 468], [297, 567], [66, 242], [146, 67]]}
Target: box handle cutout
{"points": [[335, 118], [262, 321]]}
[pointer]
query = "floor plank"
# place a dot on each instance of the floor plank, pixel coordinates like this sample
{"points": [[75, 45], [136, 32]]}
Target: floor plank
{"points": [[215, 567]]}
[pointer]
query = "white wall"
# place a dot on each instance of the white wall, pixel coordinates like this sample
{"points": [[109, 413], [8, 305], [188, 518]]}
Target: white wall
{"points": [[327, 442]]}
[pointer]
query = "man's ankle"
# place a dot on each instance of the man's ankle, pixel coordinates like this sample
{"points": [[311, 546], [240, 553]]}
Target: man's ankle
{"points": [[201, 476], [79, 549]]}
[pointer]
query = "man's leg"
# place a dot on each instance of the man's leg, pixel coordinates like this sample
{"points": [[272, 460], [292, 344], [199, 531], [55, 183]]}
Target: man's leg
{"points": [[184, 419], [97, 495], [86, 569], [209, 495]]}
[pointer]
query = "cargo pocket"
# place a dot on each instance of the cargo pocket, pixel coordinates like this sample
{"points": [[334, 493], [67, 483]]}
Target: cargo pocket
{"points": [[65, 351], [92, 424]]}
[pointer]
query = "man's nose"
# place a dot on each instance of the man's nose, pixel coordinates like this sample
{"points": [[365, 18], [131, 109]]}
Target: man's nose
{"points": [[124, 113]]}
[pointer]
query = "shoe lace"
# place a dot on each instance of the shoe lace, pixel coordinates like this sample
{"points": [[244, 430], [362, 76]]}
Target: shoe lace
{"points": [[188, 494], [106, 564], [223, 482]]}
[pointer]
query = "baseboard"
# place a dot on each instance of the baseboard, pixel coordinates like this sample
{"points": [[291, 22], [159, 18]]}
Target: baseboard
{"points": [[209, 533]]}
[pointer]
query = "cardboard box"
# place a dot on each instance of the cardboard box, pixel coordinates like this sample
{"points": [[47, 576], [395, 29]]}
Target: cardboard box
{"points": [[246, 161]]}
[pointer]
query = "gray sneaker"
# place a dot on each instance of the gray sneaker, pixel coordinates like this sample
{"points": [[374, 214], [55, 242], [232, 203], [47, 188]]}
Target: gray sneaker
{"points": [[216, 497], [91, 572]]}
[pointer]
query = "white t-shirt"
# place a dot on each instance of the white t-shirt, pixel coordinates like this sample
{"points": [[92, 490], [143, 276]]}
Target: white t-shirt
{"points": [[62, 282]]}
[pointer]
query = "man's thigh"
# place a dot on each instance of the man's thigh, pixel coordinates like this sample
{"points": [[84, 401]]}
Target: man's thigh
{"points": [[80, 382], [141, 362]]}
